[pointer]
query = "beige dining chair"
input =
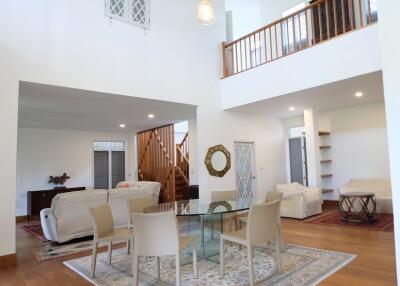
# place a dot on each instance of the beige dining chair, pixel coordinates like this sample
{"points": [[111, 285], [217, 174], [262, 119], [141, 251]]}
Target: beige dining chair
{"points": [[137, 205], [269, 197], [157, 235], [261, 228], [104, 231]]}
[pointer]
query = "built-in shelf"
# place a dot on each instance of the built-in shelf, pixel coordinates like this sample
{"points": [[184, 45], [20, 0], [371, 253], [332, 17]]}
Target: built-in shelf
{"points": [[326, 175], [323, 133], [324, 191], [326, 161], [325, 147]]}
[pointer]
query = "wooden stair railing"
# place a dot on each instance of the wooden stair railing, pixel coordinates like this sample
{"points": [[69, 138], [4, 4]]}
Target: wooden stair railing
{"points": [[155, 148], [320, 21], [182, 158]]}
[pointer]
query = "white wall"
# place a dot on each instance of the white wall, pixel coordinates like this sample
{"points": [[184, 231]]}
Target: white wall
{"points": [[359, 145], [229, 127], [347, 56], [245, 16], [388, 26], [45, 152]]}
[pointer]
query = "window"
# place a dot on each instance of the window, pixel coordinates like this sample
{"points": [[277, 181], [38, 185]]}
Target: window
{"points": [[296, 132], [294, 28], [136, 12], [109, 146]]}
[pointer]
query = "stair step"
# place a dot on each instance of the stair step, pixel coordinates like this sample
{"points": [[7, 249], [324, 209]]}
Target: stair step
{"points": [[325, 147], [326, 175]]}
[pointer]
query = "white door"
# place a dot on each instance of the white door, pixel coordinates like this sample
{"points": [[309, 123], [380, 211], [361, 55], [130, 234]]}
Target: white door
{"points": [[245, 171]]}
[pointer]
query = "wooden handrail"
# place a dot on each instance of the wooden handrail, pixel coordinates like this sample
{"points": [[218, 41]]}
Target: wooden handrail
{"points": [[182, 158], [318, 22]]}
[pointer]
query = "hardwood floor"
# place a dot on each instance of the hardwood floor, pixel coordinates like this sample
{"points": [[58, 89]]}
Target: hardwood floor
{"points": [[374, 265]]}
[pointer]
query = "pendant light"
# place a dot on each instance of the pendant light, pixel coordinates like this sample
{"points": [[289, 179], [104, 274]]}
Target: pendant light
{"points": [[205, 12]]}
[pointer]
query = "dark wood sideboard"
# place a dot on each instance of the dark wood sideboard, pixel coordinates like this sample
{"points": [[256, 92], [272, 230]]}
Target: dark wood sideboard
{"points": [[38, 200]]}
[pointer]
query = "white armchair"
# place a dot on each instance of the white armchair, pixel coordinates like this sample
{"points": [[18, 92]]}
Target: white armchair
{"points": [[299, 201]]}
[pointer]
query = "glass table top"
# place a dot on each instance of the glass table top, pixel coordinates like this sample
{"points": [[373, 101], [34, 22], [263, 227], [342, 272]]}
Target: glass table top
{"points": [[199, 207]]}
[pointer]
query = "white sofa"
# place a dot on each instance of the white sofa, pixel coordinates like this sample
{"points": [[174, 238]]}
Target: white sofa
{"points": [[299, 201], [69, 218], [380, 187]]}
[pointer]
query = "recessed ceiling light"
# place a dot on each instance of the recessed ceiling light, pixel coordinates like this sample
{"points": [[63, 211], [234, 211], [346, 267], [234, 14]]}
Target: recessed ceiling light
{"points": [[292, 108], [150, 116], [122, 125], [359, 94]]}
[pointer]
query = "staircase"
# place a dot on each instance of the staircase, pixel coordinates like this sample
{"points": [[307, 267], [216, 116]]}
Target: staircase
{"points": [[182, 169], [181, 186]]}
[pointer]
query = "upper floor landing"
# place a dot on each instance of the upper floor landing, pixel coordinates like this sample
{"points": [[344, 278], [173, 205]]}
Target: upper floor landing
{"points": [[324, 42]]}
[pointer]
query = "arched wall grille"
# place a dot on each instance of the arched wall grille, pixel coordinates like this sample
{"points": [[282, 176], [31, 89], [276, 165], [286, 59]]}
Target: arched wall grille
{"points": [[135, 12]]}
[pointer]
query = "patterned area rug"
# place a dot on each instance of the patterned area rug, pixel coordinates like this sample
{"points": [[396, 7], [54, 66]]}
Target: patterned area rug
{"points": [[50, 250], [301, 266], [35, 229], [53, 250], [383, 222]]}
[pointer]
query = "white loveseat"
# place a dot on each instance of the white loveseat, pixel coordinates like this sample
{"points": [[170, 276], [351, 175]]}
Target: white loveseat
{"points": [[299, 201], [380, 187], [69, 218]]}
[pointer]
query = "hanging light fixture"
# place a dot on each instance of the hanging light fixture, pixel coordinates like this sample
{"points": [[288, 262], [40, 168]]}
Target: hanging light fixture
{"points": [[205, 12]]}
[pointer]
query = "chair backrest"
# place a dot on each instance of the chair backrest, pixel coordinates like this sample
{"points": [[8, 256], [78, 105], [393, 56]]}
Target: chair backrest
{"points": [[223, 196], [272, 196], [137, 205], [261, 223], [102, 220], [156, 234]]}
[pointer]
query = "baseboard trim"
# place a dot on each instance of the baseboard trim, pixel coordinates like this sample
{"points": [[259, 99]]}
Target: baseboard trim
{"points": [[8, 261], [20, 219]]}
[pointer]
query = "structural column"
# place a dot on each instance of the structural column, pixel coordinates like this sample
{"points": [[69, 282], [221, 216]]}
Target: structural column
{"points": [[312, 148], [389, 43]]}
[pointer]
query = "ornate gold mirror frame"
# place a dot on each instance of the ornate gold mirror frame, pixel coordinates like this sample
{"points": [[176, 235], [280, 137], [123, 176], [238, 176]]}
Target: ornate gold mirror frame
{"points": [[207, 161]]}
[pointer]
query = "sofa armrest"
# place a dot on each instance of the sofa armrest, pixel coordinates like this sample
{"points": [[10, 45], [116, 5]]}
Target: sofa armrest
{"points": [[313, 194], [49, 224], [293, 195]]}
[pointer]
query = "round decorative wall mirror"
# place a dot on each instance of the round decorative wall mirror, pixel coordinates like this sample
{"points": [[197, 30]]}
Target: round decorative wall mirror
{"points": [[218, 161]]}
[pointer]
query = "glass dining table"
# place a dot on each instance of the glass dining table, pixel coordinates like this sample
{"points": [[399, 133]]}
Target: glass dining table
{"points": [[197, 217]]}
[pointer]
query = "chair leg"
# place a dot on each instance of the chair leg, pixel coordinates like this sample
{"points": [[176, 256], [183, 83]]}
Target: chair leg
{"points": [[281, 244], [202, 234], [128, 247], [178, 270], [109, 253], [195, 270], [158, 267], [221, 256], [251, 268], [94, 257], [278, 254], [135, 271], [212, 230]]}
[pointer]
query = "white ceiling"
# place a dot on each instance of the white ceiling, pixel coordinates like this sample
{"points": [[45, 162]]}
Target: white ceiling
{"points": [[323, 98], [46, 106]]}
